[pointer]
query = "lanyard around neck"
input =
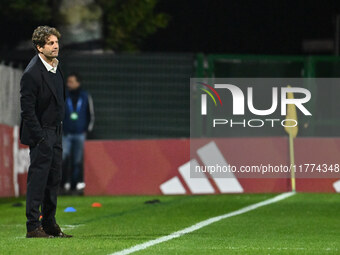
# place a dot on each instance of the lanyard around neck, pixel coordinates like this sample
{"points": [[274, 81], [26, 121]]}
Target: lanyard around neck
{"points": [[79, 103]]}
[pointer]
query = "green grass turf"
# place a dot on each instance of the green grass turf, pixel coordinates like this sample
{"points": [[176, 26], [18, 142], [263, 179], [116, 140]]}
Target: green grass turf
{"points": [[302, 224]]}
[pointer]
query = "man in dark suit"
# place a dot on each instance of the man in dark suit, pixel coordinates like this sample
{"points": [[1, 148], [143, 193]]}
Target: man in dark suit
{"points": [[42, 111]]}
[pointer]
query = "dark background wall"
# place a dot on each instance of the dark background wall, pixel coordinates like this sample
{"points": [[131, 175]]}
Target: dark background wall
{"points": [[136, 95], [244, 26]]}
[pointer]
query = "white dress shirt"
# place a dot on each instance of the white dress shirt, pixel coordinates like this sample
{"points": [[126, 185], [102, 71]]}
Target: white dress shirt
{"points": [[50, 68]]}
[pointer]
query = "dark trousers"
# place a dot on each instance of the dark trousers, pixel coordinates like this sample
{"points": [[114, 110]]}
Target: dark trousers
{"points": [[44, 176]]}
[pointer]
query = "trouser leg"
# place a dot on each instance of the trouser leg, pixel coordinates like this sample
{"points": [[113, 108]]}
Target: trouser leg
{"points": [[66, 176], [49, 205], [41, 157], [78, 150]]}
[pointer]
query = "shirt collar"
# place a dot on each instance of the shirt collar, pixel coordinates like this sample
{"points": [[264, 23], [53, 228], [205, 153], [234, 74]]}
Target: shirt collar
{"points": [[50, 68]]}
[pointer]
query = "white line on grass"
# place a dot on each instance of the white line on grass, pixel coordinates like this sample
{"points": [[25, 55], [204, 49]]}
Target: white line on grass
{"points": [[68, 227], [202, 224]]}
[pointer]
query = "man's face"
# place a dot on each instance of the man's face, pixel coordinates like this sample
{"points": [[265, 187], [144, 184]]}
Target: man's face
{"points": [[72, 83], [51, 48]]}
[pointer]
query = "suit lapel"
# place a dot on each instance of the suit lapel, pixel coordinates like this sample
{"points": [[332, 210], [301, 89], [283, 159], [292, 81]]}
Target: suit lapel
{"points": [[47, 78], [63, 78], [49, 82]]}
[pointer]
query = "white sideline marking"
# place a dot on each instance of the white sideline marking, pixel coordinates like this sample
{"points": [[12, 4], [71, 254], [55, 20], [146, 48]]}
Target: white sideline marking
{"points": [[202, 224], [68, 227]]}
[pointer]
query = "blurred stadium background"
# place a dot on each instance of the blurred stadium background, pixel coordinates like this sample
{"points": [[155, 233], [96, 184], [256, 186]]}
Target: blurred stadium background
{"points": [[136, 59]]}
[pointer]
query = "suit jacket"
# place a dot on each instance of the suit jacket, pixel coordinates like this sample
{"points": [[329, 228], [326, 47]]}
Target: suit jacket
{"points": [[36, 94]]}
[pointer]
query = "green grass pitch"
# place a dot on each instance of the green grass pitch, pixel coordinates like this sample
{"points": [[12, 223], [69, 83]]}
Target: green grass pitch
{"points": [[301, 224]]}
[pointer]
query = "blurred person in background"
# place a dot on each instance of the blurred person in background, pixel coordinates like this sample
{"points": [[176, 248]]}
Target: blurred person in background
{"points": [[78, 122]]}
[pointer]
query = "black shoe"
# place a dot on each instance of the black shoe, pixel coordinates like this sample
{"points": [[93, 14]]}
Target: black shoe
{"points": [[55, 231], [38, 233]]}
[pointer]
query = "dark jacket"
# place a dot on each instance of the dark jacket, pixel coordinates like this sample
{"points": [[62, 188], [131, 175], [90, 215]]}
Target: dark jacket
{"points": [[79, 101], [39, 101]]}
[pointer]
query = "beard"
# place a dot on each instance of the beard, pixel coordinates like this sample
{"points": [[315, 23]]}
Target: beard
{"points": [[51, 55]]}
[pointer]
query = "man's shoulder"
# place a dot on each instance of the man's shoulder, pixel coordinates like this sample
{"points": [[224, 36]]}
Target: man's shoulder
{"points": [[84, 93], [32, 71], [32, 66]]}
